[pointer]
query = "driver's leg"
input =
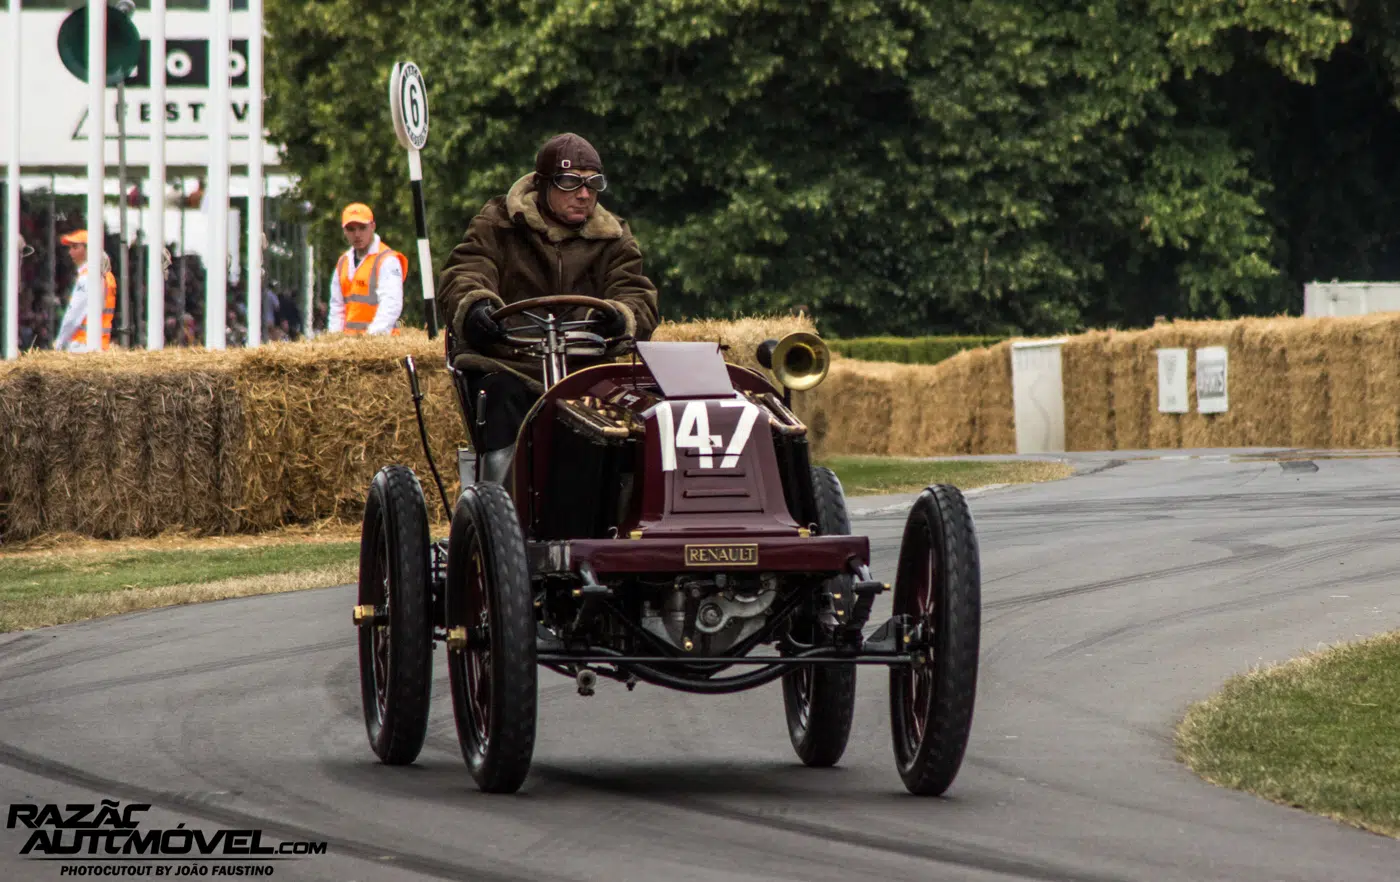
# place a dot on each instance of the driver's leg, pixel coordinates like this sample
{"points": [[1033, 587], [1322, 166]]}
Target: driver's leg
{"points": [[498, 417]]}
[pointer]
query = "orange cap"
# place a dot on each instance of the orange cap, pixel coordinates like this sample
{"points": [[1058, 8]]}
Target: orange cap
{"points": [[77, 237], [356, 213]]}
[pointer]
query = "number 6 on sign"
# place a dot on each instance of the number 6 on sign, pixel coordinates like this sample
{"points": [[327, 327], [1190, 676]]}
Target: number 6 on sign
{"points": [[693, 432], [408, 105]]}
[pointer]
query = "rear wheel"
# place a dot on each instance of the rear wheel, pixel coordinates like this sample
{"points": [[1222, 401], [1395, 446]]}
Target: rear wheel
{"points": [[396, 654], [820, 700], [939, 586], [494, 678]]}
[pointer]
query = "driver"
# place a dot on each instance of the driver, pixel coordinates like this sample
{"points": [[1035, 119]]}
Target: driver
{"points": [[547, 236]]}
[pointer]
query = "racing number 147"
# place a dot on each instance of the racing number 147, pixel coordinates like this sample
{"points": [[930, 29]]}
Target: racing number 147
{"points": [[693, 432]]}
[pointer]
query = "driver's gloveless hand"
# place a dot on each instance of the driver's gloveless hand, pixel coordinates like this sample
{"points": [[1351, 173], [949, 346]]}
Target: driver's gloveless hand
{"points": [[480, 329]]}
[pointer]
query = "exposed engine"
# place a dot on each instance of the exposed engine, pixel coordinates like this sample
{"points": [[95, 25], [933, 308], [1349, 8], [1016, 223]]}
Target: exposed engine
{"points": [[710, 615]]}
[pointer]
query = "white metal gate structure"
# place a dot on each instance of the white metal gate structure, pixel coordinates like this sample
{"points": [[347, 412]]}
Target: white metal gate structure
{"points": [[55, 124]]}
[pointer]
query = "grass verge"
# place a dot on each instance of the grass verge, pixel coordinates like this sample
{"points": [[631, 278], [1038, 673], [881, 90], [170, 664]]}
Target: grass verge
{"points": [[874, 475], [55, 584], [1319, 733]]}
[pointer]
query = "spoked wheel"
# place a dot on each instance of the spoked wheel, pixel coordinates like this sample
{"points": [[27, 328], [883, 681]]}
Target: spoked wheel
{"points": [[396, 653], [938, 585], [820, 700], [494, 678]]}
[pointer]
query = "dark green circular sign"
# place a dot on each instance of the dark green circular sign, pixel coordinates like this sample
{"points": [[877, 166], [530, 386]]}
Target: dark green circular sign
{"points": [[123, 45]]}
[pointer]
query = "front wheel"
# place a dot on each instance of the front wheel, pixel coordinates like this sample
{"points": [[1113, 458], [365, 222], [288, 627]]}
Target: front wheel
{"points": [[939, 586], [820, 700], [396, 651], [491, 639]]}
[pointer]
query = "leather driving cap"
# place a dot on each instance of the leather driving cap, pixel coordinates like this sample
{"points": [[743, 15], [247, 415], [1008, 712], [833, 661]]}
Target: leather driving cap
{"points": [[566, 152]]}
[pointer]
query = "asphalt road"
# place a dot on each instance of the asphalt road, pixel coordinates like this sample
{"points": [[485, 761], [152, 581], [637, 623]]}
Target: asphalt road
{"points": [[1111, 601]]}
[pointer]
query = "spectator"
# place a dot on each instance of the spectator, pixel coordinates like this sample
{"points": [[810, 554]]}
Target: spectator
{"points": [[367, 286], [73, 334]]}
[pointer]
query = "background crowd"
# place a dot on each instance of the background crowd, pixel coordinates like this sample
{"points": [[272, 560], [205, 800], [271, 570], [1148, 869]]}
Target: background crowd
{"points": [[47, 275]]}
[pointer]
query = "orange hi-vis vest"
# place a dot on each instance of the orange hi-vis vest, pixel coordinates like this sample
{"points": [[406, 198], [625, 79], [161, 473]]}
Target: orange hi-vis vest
{"points": [[361, 298], [109, 311]]}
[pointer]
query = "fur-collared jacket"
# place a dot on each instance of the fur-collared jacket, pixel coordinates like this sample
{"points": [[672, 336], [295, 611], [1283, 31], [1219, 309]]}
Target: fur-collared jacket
{"points": [[511, 253]]}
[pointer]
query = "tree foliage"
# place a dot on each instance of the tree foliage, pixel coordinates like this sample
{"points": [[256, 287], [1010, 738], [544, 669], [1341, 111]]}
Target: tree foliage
{"points": [[984, 166]]}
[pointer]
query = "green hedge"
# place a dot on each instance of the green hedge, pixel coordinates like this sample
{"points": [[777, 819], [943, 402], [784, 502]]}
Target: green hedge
{"points": [[909, 350]]}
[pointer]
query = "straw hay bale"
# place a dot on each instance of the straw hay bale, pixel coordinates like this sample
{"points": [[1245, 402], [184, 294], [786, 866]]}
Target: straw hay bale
{"points": [[23, 465], [947, 424], [68, 406], [98, 448], [203, 426], [1133, 387], [929, 406], [849, 411], [126, 469], [166, 399], [1309, 393], [322, 417], [1087, 372], [1358, 400], [994, 411], [960, 405], [1382, 360], [1346, 378], [1258, 366]]}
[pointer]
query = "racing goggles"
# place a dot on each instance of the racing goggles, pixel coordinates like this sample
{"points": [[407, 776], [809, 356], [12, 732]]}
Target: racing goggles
{"points": [[569, 182]]}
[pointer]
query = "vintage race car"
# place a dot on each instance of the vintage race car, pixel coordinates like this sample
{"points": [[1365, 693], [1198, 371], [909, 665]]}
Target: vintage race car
{"points": [[662, 523]]}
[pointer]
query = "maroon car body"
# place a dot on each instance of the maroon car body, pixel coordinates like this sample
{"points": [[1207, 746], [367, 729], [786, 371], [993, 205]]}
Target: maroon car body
{"points": [[682, 504]]}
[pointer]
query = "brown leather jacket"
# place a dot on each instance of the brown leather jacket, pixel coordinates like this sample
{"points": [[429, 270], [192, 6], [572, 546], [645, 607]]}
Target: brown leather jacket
{"points": [[511, 253]]}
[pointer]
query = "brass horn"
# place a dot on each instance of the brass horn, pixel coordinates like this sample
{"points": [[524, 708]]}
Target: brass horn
{"points": [[799, 361]]}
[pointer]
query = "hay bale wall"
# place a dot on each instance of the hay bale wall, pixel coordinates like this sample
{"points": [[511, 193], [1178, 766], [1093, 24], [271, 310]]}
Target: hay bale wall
{"points": [[961, 405], [134, 443], [1293, 382]]}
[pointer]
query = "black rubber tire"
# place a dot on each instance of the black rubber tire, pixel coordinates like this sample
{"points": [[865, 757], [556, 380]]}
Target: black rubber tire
{"points": [[820, 700], [929, 740], [395, 569], [486, 566]]}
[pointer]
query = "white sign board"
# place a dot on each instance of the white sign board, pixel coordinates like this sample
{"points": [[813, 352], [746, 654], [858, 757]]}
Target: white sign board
{"points": [[1212, 380], [55, 103], [1172, 391], [408, 104], [1038, 395]]}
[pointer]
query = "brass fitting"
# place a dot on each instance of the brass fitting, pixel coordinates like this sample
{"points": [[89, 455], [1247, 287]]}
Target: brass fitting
{"points": [[457, 638]]}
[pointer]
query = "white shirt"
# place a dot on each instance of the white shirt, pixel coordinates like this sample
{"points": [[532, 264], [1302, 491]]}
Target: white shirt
{"points": [[389, 289], [76, 316]]}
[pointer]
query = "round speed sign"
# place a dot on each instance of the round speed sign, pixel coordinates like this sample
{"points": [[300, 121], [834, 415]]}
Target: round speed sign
{"points": [[408, 103]]}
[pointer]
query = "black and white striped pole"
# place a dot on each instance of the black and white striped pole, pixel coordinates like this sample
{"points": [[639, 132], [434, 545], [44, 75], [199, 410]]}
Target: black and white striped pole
{"points": [[408, 103]]}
